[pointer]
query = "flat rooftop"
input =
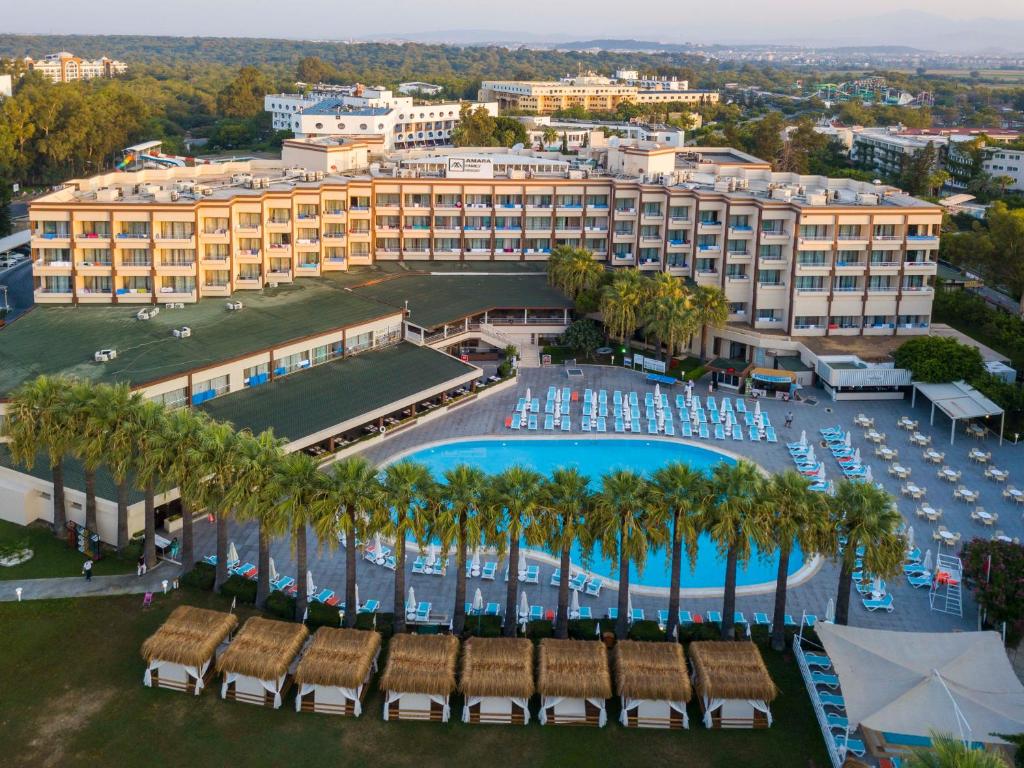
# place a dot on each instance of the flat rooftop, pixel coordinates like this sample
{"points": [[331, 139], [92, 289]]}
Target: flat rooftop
{"points": [[327, 395], [443, 298], [62, 339]]}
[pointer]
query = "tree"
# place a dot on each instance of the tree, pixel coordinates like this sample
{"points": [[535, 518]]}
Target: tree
{"points": [[185, 430], [407, 491], [1006, 230], [356, 495], [677, 490], [670, 315], [6, 223], [548, 137], [88, 445], [515, 498], [566, 505], [115, 408], [766, 137], [582, 337], [218, 454], [712, 310], [802, 146], [626, 526], [866, 517], [728, 516], [459, 522], [40, 420], [573, 270], [947, 751], [995, 569], [313, 69], [154, 456], [243, 96], [475, 128], [916, 175], [622, 303], [793, 515], [939, 359]]}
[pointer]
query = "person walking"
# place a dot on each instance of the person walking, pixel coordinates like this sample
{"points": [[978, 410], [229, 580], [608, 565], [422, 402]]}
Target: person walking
{"points": [[87, 570], [789, 419], [140, 568]]}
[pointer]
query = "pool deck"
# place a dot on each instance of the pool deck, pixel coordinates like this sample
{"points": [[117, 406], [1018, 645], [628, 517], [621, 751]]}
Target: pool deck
{"points": [[486, 419]]}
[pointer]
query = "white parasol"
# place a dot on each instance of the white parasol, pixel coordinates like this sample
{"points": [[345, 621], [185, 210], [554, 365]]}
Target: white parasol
{"points": [[357, 597], [310, 586], [574, 608], [524, 605], [910, 538], [927, 564], [849, 440], [811, 458], [521, 566], [478, 601], [232, 553], [757, 408], [821, 473], [803, 438], [868, 477], [474, 566], [272, 571], [528, 398], [629, 605], [378, 548], [877, 593], [830, 611], [856, 456], [558, 396], [410, 604]]}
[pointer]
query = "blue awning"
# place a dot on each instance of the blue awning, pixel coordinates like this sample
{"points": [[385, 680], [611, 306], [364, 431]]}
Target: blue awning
{"points": [[657, 377]]}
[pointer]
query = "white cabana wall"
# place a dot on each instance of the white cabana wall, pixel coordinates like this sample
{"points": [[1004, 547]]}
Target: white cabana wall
{"points": [[653, 713], [178, 677], [736, 713], [561, 710], [496, 709], [252, 690], [416, 706]]}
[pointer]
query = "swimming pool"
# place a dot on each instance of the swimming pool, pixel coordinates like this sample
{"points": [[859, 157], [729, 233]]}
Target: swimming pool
{"points": [[595, 458]]}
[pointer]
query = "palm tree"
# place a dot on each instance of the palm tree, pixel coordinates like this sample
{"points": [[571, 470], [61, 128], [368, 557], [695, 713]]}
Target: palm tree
{"points": [[154, 454], [670, 315], [793, 515], [516, 499], [115, 409], [355, 494], [38, 419], [305, 497], [185, 430], [626, 526], [728, 517], [88, 445], [867, 517], [712, 310], [573, 270], [949, 752], [218, 454], [566, 505], [676, 490], [548, 137], [407, 488], [253, 496], [622, 303], [457, 520]]}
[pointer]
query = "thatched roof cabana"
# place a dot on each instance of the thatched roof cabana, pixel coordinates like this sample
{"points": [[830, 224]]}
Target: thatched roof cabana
{"points": [[500, 666], [726, 669], [263, 649], [575, 669], [338, 657], [421, 664], [651, 671], [189, 636]]}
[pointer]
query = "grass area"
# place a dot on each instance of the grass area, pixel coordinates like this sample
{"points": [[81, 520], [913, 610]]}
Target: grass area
{"points": [[53, 556], [73, 696]]}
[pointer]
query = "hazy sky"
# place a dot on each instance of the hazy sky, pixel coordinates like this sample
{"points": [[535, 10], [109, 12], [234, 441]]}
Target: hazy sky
{"points": [[722, 20]]}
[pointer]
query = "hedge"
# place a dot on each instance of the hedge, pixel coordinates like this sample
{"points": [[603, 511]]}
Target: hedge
{"points": [[540, 628], [281, 605], [241, 588], [202, 576], [483, 626], [583, 629], [646, 630], [321, 615]]}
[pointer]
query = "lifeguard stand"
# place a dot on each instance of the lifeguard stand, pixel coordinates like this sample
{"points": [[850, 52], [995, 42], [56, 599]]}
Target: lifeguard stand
{"points": [[945, 595]]}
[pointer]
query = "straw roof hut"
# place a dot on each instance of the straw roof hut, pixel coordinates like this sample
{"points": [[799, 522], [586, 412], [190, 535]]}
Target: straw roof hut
{"points": [[573, 681], [419, 677], [652, 681], [497, 680], [335, 670], [256, 665], [180, 654], [733, 684]]}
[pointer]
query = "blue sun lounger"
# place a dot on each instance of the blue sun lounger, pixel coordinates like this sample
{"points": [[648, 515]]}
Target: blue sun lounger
{"points": [[556, 577], [853, 746], [821, 678], [532, 575], [719, 432], [652, 427], [649, 399], [549, 422], [635, 426], [620, 426], [585, 423], [770, 436], [489, 570], [578, 582], [549, 406], [739, 618], [685, 617], [917, 582], [837, 722], [789, 621], [714, 617], [492, 609], [810, 619], [602, 396], [637, 614], [514, 423], [684, 428], [761, 619], [737, 432], [617, 397], [817, 660], [832, 700], [566, 423], [885, 604], [633, 399], [423, 611], [585, 612], [753, 435], [532, 423], [670, 430], [602, 424], [322, 596], [370, 606], [612, 613], [680, 401], [593, 587], [703, 431], [282, 583], [536, 612]]}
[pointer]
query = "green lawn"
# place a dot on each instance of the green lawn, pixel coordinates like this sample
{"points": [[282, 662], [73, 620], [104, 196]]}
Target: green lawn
{"points": [[53, 557], [73, 696]]}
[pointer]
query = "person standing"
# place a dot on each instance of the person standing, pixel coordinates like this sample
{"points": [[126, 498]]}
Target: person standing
{"points": [[789, 419], [87, 570]]}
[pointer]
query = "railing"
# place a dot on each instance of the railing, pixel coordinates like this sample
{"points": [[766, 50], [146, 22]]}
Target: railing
{"points": [[885, 263], [887, 238], [835, 754]]}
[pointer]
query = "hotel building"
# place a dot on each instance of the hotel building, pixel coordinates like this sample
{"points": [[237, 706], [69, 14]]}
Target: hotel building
{"points": [[65, 67]]}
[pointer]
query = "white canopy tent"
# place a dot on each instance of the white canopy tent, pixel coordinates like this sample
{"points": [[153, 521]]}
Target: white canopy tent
{"points": [[900, 687], [959, 401]]}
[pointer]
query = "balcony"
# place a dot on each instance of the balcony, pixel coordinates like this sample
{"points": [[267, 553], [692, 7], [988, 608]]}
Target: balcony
{"points": [[813, 268], [308, 244], [52, 239], [625, 212], [768, 322], [709, 248], [925, 241], [812, 291], [279, 225], [251, 230], [680, 221], [134, 267], [885, 266], [647, 216], [853, 241], [169, 294], [740, 257], [131, 239], [248, 256], [177, 268], [814, 243], [249, 281], [676, 268], [516, 206], [92, 239], [53, 267], [334, 214], [215, 235], [741, 231], [216, 289], [774, 236], [887, 242], [480, 206], [920, 267], [650, 239], [280, 249], [215, 260], [917, 290], [52, 296], [879, 329], [882, 290], [279, 275], [850, 266], [453, 206], [175, 240], [94, 267], [678, 245], [621, 258], [771, 287], [308, 268]]}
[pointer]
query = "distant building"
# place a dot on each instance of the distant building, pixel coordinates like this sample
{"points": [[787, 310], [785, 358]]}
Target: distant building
{"points": [[886, 150], [1006, 163], [416, 88], [5, 86], [582, 133], [65, 67]]}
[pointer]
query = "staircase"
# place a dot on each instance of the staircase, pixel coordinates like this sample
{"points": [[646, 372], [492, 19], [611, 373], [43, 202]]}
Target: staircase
{"points": [[529, 356], [946, 596]]}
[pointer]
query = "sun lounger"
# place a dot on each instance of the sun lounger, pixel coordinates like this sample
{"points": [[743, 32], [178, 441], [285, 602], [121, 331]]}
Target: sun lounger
{"points": [[684, 428], [532, 575], [593, 587], [853, 746], [578, 582], [370, 606], [923, 580], [246, 570], [685, 617], [566, 423], [556, 578], [817, 660], [390, 563], [514, 422], [585, 612], [323, 596], [282, 583], [602, 424], [585, 423], [633, 399], [739, 618], [489, 570], [737, 432], [885, 604], [719, 432], [680, 401], [549, 422], [637, 614], [752, 434], [826, 680], [620, 426], [715, 617], [810, 619], [662, 617], [838, 723], [536, 612], [549, 407], [492, 609], [612, 614], [211, 559], [761, 619], [419, 564], [423, 611], [532, 423], [832, 700], [636, 426], [789, 621], [770, 436], [670, 430], [703, 431], [334, 601]]}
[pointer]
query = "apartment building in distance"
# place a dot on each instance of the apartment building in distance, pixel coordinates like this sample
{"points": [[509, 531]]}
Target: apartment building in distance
{"points": [[796, 256], [374, 115], [1006, 163], [64, 67], [593, 93]]}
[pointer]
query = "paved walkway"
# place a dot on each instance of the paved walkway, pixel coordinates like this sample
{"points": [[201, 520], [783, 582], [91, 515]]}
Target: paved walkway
{"points": [[97, 586]]}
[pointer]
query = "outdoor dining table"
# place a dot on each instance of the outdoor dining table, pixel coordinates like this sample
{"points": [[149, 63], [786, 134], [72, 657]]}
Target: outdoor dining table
{"points": [[900, 471], [1005, 538], [906, 423], [947, 535], [968, 495], [948, 474], [918, 439], [983, 515], [913, 490], [998, 474], [887, 453], [930, 512], [873, 436], [975, 431], [933, 456], [979, 456], [1016, 494]]}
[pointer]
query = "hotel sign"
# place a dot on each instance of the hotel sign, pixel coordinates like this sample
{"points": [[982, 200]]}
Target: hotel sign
{"points": [[470, 168]]}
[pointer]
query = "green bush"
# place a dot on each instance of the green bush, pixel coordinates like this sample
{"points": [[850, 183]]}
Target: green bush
{"points": [[281, 605], [201, 576], [583, 629], [483, 626], [381, 622], [646, 630], [240, 587], [695, 373], [505, 369], [540, 628], [321, 615], [693, 632]]}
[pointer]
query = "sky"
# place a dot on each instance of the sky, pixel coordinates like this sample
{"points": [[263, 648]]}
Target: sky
{"points": [[722, 20]]}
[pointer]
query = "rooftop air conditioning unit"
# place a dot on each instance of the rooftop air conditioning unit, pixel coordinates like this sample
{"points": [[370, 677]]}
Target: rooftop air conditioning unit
{"points": [[175, 196], [104, 355], [147, 313], [272, 285], [175, 305], [867, 198], [234, 306], [817, 199], [241, 178], [182, 333], [107, 194], [781, 193]]}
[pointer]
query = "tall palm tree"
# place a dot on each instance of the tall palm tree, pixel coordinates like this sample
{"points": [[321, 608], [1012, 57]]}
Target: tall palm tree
{"points": [[949, 752], [355, 493], [728, 516], [185, 429], [457, 520], [622, 302], [867, 517], [676, 489], [712, 310], [626, 525], [573, 270], [115, 409], [515, 499], [88, 446], [407, 490], [38, 420], [154, 455], [566, 507], [793, 515], [670, 315], [548, 136], [305, 497], [218, 454], [254, 494]]}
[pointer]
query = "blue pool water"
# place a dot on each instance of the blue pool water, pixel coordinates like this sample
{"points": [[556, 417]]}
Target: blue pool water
{"points": [[596, 458]]}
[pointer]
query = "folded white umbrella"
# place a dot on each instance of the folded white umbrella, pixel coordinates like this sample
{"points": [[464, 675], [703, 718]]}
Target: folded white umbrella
{"points": [[927, 564], [358, 602], [232, 553], [830, 611], [910, 538], [629, 605], [528, 398], [868, 477], [478, 600], [272, 572], [474, 566], [821, 473], [803, 437], [522, 564], [856, 456], [524, 604], [657, 393], [849, 440], [757, 408], [410, 604], [310, 586], [574, 608], [876, 588]]}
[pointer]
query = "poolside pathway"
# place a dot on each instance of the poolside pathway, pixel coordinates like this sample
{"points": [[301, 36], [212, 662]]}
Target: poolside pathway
{"points": [[98, 586]]}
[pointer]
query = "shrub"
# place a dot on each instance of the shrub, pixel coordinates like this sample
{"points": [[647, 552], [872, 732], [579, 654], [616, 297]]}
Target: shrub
{"points": [[939, 359], [999, 587], [646, 630], [583, 629], [281, 605], [695, 373], [483, 626], [381, 622], [321, 615], [541, 628], [241, 588], [201, 576], [704, 631]]}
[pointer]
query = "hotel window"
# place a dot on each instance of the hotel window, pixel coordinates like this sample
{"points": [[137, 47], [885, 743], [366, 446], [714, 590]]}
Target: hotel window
{"points": [[847, 284], [772, 226], [176, 398], [810, 284], [135, 229], [770, 253], [680, 212], [769, 315], [709, 217], [177, 284], [255, 370], [652, 209], [91, 284], [215, 225], [358, 342], [96, 228], [845, 321], [737, 247], [737, 307], [740, 222], [137, 284], [217, 252], [177, 257], [96, 256], [177, 230], [216, 278], [880, 283], [736, 271], [219, 385]]}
